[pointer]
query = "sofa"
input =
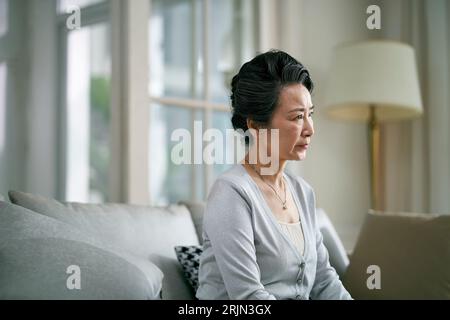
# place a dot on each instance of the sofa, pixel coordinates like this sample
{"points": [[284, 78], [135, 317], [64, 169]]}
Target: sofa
{"points": [[64, 250]]}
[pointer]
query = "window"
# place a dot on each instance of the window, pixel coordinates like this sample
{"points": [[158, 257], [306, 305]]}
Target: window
{"points": [[4, 44], [167, 177], [4, 17], [87, 66], [3, 97], [64, 5], [195, 47]]}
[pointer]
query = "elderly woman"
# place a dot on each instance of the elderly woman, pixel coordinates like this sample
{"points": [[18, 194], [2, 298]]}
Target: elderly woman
{"points": [[260, 233]]}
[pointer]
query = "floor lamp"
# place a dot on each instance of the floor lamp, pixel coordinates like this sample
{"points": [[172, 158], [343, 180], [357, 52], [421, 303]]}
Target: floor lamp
{"points": [[374, 81]]}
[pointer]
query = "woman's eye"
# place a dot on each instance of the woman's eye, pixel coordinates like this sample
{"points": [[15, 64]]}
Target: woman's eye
{"points": [[300, 116]]}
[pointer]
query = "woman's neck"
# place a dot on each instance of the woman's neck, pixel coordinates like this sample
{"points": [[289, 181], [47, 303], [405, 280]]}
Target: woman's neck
{"points": [[275, 178]]}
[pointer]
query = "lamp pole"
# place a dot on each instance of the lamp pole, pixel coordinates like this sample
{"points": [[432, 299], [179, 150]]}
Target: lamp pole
{"points": [[374, 145]]}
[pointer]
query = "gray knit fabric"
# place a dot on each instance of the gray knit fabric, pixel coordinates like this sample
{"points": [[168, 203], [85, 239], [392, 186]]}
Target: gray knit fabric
{"points": [[246, 254]]}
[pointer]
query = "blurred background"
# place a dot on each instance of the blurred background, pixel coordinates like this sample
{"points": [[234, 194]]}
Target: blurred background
{"points": [[87, 111]]}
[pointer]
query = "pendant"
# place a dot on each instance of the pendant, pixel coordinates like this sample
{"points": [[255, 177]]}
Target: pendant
{"points": [[284, 207]]}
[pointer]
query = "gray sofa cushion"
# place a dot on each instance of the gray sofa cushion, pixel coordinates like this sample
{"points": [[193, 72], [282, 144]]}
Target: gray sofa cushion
{"points": [[18, 223], [50, 208], [174, 286], [39, 269], [412, 252], [143, 230], [148, 232], [197, 209]]}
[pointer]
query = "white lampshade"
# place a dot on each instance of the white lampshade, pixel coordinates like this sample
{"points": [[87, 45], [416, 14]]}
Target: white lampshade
{"points": [[378, 73]]}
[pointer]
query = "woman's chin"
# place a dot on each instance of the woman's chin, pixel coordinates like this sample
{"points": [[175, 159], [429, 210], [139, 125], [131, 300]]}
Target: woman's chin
{"points": [[299, 156]]}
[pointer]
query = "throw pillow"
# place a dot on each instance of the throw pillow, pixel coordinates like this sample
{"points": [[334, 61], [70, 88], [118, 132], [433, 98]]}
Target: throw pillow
{"points": [[189, 258], [411, 254]]}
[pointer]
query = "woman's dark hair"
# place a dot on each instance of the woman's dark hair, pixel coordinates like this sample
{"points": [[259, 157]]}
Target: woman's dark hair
{"points": [[256, 87]]}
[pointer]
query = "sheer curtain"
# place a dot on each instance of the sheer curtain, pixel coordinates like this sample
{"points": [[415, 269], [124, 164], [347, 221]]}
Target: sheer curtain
{"points": [[416, 154]]}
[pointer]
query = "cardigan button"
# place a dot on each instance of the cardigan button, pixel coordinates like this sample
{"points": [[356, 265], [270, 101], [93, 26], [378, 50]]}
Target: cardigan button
{"points": [[302, 265]]}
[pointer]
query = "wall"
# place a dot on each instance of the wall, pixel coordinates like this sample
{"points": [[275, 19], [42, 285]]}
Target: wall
{"points": [[416, 153]]}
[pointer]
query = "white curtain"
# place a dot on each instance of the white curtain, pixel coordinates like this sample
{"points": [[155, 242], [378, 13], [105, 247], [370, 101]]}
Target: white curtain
{"points": [[416, 154]]}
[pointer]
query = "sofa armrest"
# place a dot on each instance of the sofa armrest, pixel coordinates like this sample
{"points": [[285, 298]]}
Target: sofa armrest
{"points": [[338, 256]]}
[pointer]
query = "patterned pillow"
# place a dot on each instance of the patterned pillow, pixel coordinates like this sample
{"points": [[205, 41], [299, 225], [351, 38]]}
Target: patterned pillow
{"points": [[189, 258]]}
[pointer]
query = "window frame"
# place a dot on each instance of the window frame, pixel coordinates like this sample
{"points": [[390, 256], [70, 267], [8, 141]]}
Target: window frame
{"points": [[90, 15]]}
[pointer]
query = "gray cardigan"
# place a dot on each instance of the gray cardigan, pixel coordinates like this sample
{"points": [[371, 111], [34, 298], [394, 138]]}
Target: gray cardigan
{"points": [[247, 256]]}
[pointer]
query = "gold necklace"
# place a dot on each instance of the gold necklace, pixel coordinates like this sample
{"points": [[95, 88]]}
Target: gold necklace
{"points": [[276, 193]]}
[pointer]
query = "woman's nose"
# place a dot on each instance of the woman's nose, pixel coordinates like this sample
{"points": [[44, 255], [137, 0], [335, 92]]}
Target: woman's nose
{"points": [[308, 127]]}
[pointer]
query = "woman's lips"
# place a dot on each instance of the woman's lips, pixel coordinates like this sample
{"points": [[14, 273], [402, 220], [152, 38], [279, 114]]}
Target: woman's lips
{"points": [[303, 146]]}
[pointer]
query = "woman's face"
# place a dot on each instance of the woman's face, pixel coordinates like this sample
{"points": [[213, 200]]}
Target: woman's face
{"points": [[293, 118]]}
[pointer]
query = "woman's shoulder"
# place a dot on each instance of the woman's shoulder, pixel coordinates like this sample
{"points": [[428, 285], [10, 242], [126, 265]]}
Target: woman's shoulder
{"points": [[299, 182], [235, 176], [235, 180], [228, 198], [231, 180]]}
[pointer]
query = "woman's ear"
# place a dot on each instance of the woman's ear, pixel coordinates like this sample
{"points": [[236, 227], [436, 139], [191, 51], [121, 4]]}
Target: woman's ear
{"points": [[252, 124]]}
